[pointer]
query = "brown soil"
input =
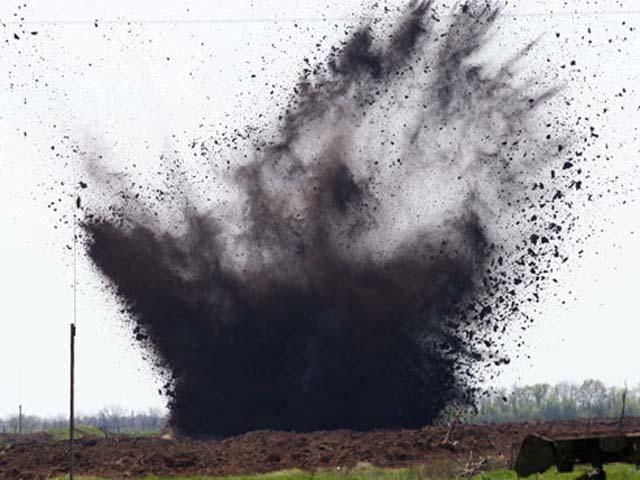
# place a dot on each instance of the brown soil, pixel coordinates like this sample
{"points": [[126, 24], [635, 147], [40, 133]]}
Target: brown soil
{"points": [[37, 456]]}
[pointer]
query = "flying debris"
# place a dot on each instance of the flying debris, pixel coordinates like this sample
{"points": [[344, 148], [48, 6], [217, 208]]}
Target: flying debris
{"points": [[376, 250]]}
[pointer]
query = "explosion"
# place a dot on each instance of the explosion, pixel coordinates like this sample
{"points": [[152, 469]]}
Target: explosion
{"points": [[380, 239]]}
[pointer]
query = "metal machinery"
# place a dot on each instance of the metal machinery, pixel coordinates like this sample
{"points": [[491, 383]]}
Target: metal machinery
{"points": [[538, 453]]}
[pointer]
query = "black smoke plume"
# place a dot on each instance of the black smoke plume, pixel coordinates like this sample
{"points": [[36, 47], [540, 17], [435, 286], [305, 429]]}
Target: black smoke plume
{"points": [[373, 254]]}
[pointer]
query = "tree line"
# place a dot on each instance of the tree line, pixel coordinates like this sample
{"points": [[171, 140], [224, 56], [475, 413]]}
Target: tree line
{"points": [[542, 401], [112, 419], [563, 401]]}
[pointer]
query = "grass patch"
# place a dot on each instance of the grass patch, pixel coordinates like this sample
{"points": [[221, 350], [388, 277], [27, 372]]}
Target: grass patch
{"points": [[81, 432], [88, 431], [366, 472], [620, 471]]}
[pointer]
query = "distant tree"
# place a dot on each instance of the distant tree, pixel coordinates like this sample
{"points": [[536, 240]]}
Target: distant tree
{"points": [[592, 398], [539, 392], [112, 418]]}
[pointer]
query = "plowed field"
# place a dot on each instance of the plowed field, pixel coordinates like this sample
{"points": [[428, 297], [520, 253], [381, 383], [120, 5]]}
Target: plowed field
{"points": [[38, 456]]}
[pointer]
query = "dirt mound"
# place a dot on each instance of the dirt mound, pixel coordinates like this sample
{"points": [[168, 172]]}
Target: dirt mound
{"points": [[264, 451]]}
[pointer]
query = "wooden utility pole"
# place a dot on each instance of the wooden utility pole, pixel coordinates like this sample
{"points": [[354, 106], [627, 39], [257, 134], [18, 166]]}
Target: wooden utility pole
{"points": [[72, 336], [20, 420], [71, 398]]}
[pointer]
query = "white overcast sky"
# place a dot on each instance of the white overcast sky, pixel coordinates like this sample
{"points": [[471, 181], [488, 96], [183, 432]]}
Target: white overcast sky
{"points": [[152, 69]]}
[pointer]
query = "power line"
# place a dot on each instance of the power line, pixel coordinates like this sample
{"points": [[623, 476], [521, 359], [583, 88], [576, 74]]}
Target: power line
{"points": [[181, 21], [213, 21]]}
